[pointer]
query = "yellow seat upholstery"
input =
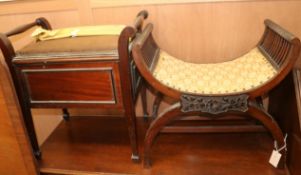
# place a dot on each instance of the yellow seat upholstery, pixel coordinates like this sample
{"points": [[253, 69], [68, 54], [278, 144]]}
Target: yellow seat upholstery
{"points": [[76, 41], [43, 34], [244, 73]]}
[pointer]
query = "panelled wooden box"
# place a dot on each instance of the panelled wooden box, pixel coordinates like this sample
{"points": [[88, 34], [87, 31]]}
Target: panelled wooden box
{"points": [[73, 72], [76, 72]]}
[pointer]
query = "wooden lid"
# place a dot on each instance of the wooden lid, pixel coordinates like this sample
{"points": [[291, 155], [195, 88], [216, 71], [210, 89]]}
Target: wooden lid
{"points": [[90, 46]]}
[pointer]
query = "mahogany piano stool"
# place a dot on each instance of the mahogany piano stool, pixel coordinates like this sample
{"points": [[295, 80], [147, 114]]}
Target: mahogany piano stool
{"points": [[75, 72]]}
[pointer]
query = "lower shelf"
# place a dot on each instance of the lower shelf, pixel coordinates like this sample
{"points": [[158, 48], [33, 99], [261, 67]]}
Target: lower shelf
{"points": [[100, 145]]}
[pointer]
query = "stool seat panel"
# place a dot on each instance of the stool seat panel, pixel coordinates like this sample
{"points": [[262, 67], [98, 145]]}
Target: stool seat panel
{"points": [[242, 74], [86, 45]]}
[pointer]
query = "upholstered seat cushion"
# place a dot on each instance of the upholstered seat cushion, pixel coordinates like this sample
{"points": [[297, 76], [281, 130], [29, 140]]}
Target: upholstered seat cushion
{"points": [[76, 41], [242, 74], [66, 47]]}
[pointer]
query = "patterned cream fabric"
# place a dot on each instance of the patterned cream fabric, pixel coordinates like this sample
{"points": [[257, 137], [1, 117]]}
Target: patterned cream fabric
{"points": [[244, 73]]}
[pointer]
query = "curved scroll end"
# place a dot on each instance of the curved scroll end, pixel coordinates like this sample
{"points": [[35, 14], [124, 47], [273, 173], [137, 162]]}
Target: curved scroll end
{"points": [[141, 16], [43, 22], [145, 34], [143, 13], [279, 30]]}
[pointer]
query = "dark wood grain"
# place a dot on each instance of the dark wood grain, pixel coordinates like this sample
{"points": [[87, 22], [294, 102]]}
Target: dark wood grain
{"points": [[71, 88], [101, 85]]}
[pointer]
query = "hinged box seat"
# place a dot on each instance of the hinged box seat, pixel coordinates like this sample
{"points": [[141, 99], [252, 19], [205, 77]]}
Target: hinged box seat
{"points": [[87, 46]]}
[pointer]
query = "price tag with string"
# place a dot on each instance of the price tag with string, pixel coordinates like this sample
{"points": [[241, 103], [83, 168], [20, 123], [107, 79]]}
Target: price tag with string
{"points": [[276, 155]]}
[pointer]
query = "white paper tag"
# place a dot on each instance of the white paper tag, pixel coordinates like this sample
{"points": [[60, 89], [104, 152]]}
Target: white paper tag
{"points": [[74, 33], [275, 158]]}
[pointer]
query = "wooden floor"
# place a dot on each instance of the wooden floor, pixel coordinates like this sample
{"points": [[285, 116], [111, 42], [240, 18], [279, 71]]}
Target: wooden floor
{"points": [[101, 144]]}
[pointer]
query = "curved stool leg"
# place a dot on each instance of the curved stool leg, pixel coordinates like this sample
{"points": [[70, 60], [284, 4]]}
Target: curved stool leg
{"points": [[175, 111], [164, 118], [268, 121], [156, 105]]}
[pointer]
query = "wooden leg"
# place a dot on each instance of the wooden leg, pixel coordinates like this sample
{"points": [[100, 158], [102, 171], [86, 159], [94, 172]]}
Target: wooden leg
{"points": [[174, 112], [28, 120], [162, 120], [156, 104], [132, 129], [268, 121], [144, 101], [66, 115], [29, 125]]}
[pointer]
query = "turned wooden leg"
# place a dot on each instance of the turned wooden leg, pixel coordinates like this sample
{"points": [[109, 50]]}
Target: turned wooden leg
{"points": [[268, 121], [162, 120], [156, 104], [144, 101], [66, 114]]}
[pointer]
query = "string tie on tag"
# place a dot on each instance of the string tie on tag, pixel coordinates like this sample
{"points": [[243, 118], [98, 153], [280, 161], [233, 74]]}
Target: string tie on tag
{"points": [[283, 147]]}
